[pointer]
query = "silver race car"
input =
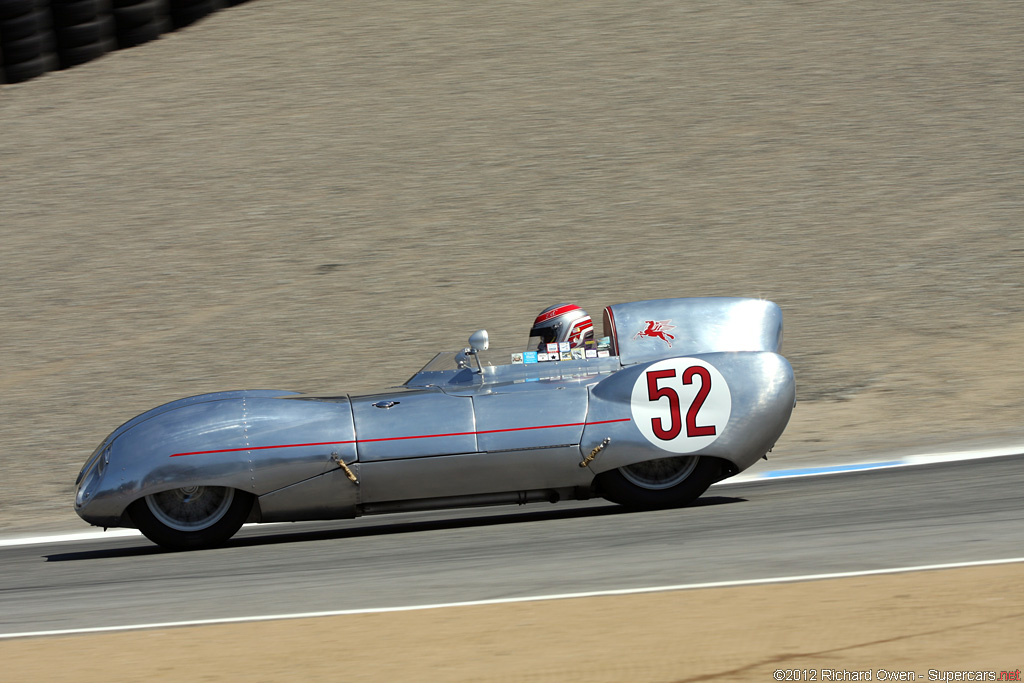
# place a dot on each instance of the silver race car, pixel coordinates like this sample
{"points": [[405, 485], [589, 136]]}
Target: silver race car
{"points": [[681, 393]]}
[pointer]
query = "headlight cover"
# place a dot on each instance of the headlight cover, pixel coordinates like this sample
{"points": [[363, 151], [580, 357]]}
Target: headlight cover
{"points": [[91, 473], [102, 450]]}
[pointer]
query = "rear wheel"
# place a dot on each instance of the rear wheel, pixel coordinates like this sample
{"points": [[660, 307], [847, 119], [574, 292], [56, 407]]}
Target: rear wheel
{"points": [[667, 482], [191, 517]]}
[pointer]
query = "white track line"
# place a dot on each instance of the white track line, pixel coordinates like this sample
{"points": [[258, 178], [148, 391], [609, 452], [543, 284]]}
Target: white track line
{"points": [[509, 601], [745, 477], [68, 537]]}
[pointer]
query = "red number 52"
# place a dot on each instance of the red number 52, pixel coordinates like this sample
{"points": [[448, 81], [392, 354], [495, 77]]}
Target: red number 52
{"points": [[655, 393]]}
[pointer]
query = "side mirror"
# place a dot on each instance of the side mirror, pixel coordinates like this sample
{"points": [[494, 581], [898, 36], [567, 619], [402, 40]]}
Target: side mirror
{"points": [[478, 341]]}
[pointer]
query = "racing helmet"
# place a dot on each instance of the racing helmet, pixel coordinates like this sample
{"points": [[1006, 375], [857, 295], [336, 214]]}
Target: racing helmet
{"points": [[561, 323]]}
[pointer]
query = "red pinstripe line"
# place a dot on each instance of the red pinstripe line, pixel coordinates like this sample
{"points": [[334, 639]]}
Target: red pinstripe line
{"points": [[398, 438]]}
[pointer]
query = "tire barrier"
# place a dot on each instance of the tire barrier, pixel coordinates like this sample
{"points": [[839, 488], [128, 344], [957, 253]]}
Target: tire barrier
{"points": [[84, 30], [139, 21], [23, 47], [49, 42], [37, 36], [186, 12]]}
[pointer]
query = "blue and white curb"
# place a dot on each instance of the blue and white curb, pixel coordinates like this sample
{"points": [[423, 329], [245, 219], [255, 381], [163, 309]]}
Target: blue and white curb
{"points": [[905, 461]]}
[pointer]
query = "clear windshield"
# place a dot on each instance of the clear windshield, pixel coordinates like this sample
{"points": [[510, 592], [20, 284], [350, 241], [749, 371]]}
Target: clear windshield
{"points": [[449, 360], [446, 360]]}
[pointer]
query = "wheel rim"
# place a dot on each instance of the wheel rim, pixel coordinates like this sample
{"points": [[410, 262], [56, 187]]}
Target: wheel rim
{"points": [[191, 508], [660, 474]]}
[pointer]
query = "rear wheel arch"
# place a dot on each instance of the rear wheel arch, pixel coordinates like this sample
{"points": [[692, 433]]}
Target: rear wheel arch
{"points": [[663, 482]]}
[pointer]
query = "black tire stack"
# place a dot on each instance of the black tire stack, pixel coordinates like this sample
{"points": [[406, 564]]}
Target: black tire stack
{"points": [[37, 36], [185, 12], [139, 21], [49, 41], [84, 30], [26, 48]]}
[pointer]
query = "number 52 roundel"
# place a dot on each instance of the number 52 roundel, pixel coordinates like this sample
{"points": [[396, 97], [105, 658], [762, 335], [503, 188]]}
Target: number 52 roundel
{"points": [[681, 404]]}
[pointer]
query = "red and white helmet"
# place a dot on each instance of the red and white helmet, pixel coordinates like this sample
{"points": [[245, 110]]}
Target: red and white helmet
{"points": [[561, 323]]}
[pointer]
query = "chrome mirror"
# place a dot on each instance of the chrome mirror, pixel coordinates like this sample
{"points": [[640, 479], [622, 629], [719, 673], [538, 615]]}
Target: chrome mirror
{"points": [[478, 341]]}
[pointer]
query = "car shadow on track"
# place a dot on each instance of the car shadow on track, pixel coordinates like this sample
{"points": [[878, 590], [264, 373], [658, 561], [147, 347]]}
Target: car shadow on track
{"points": [[275, 534]]}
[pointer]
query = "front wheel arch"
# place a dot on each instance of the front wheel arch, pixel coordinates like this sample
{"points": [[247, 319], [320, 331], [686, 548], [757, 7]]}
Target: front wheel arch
{"points": [[193, 517]]}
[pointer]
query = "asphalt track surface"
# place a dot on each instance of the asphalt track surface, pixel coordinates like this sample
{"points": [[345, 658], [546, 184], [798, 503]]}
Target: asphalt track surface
{"points": [[857, 521]]}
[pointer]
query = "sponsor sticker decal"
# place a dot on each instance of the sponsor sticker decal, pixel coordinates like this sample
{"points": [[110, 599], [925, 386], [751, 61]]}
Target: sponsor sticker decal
{"points": [[517, 359], [530, 357], [681, 405], [657, 329]]}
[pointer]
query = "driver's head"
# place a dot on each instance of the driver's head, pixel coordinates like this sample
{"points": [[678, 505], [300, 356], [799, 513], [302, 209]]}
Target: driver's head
{"points": [[561, 323]]}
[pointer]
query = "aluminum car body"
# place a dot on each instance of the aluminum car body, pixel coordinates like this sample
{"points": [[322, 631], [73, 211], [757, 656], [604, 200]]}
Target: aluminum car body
{"points": [[699, 376]]}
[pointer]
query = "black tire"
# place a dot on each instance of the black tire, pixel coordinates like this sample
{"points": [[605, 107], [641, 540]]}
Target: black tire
{"points": [[24, 71], [191, 518], [26, 44], [74, 12], [133, 16], [16, 28], [15, 8], [23, 50], [186, 13], [664, 483], [86, 33], [73, 56], [45, 21], [137, 35]]}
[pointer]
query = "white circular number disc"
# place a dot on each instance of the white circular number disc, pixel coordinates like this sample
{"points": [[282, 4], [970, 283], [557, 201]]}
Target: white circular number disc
{"points": [[681, 405]]}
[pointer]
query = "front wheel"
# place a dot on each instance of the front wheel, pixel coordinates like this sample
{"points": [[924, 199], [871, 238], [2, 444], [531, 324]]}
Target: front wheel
{"points": [[191, 517], [667, 482]]}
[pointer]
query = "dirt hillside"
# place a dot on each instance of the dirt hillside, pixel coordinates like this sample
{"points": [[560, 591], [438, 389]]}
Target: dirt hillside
{"points": [[308, 195]]}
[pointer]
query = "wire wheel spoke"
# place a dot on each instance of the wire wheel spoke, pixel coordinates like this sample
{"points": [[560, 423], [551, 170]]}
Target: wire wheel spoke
{"points": [[660, 474], [191, 508]]}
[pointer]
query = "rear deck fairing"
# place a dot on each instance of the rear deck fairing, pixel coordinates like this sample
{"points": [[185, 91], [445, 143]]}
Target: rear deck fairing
{"points": [[731, 405], [643, 331]]}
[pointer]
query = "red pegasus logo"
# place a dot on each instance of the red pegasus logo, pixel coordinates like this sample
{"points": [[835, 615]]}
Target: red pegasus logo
{"points": [[657, 329]]}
